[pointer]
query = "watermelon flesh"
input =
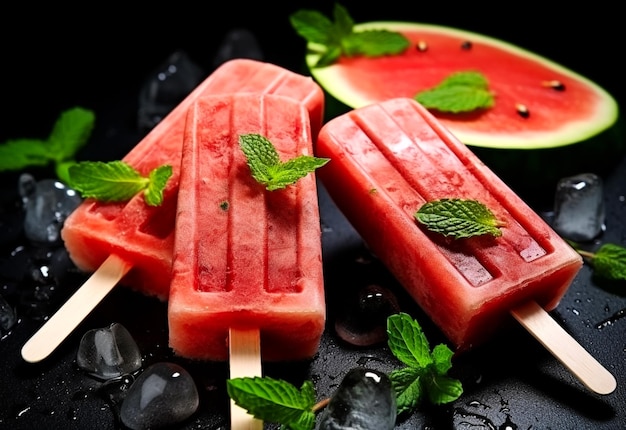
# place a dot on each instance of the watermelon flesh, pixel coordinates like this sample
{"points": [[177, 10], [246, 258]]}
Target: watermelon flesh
{"points": [[387, 160], [245, 257], [143, 235], [557, 116]]}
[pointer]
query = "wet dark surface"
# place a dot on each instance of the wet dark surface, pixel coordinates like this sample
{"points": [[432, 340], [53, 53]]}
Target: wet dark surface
{"points": [[510, 383]]}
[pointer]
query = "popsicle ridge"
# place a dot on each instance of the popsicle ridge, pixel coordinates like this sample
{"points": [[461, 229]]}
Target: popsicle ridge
{"points": [[390, 158]]}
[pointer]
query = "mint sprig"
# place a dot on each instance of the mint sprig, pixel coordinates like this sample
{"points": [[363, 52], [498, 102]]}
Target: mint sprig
{"points": [[425, 371], [424, 374], [266, 166], [336, 38], [117, 181], [459, 218], [464, 91], [69, 133], [609, 261], [275, 400]]}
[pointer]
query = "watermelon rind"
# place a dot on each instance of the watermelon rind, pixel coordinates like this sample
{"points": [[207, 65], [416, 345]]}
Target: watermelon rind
{"points": [[605, 115]]}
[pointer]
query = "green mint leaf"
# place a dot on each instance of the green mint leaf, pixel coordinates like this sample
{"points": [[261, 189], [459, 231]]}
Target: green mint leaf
{"points": [[425, 371], [336, 38], [275, 400], [407, 341], [458, 218], [116, 181], [313, 26], [266, 167], [21, 153], [442, 357], [609, 261], [459, 92], [157, 181], [70, 132], [407, 387], [374, 43], [442, 389]]}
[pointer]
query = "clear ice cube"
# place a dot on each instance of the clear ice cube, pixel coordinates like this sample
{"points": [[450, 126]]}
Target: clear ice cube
{"points": [[108, 352], [163, 395], [47, 204], [167, 86], [579, 208], [8, 316], [364, 400]]}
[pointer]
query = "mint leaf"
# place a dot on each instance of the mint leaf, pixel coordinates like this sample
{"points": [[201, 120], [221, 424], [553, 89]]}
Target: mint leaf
{"points": [[157, 181], [275, 400], [425, 372], [266, 167], [442, 389], [117, 181], [458, 218], [459, 92], [407, 341], [609, 261], [374, 43], [408, 388], [69, 133], [21, 153], [336, 38]]}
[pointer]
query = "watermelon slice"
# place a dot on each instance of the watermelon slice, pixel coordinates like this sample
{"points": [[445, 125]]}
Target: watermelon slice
{"points": [[539, 105]]}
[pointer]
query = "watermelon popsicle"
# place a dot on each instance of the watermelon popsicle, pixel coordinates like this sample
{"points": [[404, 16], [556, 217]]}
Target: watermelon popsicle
{"points": [[247, 278], [132, 242], [245, 256], [390, 158]]}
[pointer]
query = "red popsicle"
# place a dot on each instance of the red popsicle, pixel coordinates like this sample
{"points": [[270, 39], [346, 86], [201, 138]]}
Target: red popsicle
{"points": [[132, 242], [390, 158], [245, 257]]}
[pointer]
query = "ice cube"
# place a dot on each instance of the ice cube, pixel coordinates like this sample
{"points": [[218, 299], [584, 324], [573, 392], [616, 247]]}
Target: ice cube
{"points": [[364, 400], [8, 317], [108, 352], [167, 86], [47, 204], [163, 395], [579, 208]]}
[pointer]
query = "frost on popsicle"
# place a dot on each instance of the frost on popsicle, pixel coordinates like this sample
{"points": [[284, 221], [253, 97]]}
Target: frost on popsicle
{"points": [[266, 167]]}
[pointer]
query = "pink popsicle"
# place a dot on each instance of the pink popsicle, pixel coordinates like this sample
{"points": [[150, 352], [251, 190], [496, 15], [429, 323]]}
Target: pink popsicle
{"points": [[390, 158], [245, 258], [131, 242], [142, 236]]}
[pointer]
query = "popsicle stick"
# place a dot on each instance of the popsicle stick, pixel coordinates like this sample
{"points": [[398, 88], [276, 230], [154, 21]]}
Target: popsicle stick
{"points": [[565, 348], [82, 302], [244, 360]]}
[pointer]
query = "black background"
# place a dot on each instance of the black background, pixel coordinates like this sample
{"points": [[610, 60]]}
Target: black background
{"points": [[96, 56]]}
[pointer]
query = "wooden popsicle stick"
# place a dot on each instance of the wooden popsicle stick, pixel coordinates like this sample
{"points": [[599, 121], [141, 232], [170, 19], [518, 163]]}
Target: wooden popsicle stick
{"points": [[565, 348], [77, 307], [244, 361]]}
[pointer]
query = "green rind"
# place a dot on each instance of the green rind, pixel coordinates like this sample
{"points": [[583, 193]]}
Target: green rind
{"points": [[573, 134]]}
